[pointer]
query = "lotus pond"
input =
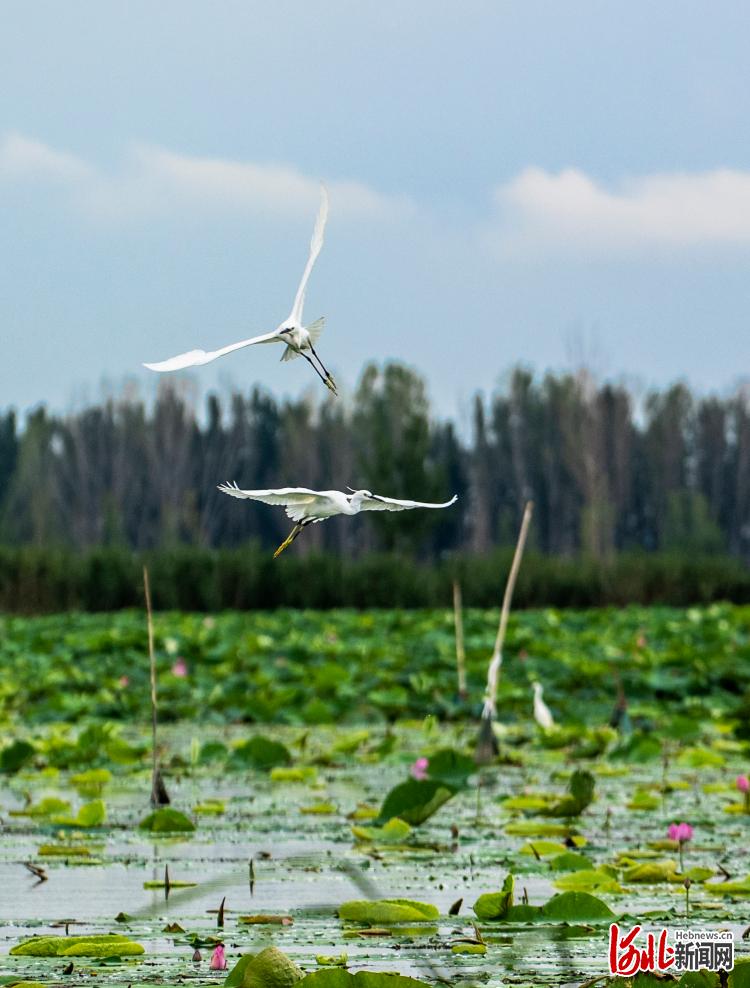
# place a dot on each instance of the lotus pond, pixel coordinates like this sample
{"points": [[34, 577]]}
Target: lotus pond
{"points": [[305, 834]]}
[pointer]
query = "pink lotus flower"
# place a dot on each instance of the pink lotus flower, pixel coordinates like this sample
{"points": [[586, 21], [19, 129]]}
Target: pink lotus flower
{"points": [[419, 769], [123, 682], [680, 832], [180, 669], [743, 783], [218, 960]]}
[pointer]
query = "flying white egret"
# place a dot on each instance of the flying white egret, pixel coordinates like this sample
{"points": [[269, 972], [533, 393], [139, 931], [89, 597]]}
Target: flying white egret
{"points": [[306, 507], [542, 714], [299, 340]]}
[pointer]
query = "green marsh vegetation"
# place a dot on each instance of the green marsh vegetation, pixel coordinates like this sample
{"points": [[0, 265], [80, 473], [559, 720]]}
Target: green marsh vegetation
{"points": [[324, 817]]}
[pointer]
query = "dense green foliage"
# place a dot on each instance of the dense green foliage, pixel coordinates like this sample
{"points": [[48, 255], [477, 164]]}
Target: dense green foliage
{"points": [[37, 581], [356, 812], [606, 472], [307, 667]]}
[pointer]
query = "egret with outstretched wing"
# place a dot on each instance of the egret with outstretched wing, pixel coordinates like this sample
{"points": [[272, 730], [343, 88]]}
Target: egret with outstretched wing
{"points": [[299, 340], [306, 507]]}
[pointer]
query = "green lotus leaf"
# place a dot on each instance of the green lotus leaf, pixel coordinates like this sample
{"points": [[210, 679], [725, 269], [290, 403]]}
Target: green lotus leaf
{"points": [[384, 911]]}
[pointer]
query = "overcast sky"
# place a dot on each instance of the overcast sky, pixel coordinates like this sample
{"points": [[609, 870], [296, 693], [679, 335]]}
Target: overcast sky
{"points": [[526, 181]]}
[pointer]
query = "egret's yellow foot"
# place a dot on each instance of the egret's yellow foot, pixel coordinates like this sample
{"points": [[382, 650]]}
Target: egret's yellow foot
{"points": [[288, 540], [284, 544], [331, 384]]}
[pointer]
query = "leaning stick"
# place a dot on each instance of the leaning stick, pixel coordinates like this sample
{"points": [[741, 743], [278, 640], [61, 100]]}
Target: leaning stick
{"points": [[158, 792], [460, 652], [493, 672]]}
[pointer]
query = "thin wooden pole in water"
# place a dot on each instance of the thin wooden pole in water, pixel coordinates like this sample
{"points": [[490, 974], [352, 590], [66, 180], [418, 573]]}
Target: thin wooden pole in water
{"points": [[460, 652], [513, 576], [487, 745], [155, 778]]}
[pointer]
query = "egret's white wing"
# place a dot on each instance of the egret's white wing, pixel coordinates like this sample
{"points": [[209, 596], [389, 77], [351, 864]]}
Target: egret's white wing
{"points": [[300, 502], [193, 358], [315, 329], [378, 503], [315, 246], [196, 358]]}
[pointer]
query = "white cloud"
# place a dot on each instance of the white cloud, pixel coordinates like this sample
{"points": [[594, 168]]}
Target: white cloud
{"points": [[22, 159], [153, 181], [535, 212], [569, 210]]}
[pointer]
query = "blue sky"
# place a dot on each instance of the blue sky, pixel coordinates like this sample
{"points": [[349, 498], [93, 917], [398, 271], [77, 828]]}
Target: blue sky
{"points": [[510, 182]]}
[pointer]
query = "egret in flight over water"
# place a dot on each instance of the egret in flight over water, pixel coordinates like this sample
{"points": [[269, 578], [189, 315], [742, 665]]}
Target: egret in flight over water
{"points": [[299, 340], [306, 507]]}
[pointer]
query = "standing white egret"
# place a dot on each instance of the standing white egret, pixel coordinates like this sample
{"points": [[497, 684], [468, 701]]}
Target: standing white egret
{"points": [[306, 507], [299, 340], [542, 714]]}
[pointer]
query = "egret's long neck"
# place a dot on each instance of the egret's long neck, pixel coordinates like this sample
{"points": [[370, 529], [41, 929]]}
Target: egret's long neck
{"points": [[355, 503]]}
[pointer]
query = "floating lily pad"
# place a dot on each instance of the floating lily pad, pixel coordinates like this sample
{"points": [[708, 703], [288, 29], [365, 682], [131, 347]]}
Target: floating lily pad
{"points": [[542, 848], [15, 755], [336, 978], [92, 782], [577, 907], [415, 801], [319, 809], [701, 757], [103, 945], [93, 814], [210, 807], [394, 832], [64, 851], [580, 794], [332, 960], [364, 812], [82, 949], [50, 806], [350, 742], [569, 907], [652, 872], [270, 968], [212, 752], [306, 773], [495, 905], [160, 883], [528, 802], [451, 767], [537, 828], [639, 747], [588, 880], [167, 820], [261, 753], [740, 976], [644, 801], [740, 887], [570, 861], [265, 919], [384, 911]]}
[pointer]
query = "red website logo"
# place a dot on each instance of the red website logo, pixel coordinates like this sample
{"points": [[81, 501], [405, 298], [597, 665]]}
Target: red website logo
{"points": [[693, 950], [625, 958]]}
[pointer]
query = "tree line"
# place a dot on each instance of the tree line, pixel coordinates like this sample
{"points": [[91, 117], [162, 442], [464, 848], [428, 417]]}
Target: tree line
{"points": [[608, 472]]}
